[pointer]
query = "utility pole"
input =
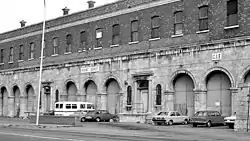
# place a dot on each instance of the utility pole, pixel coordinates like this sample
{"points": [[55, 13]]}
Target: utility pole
{"points": [[41, 65]]}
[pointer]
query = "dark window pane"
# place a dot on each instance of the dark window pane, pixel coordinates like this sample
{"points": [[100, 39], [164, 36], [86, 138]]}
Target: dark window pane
{"points": [[155, 33], [129, 95], [158, 94], [232, 19], [134, 26], [232, 7], [178, 28], [83, 37], [178, 17], [155, 21], [203, 24], [115, 40], [134, 36], [116, 29], [69, 39], [203, 12], [99, 42]]}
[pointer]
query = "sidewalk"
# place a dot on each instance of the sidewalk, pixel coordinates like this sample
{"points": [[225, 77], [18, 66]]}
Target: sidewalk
{"points": [[136, 129]]}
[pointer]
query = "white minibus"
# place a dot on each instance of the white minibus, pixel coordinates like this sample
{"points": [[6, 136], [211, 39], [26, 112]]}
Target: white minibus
{"points": [[69, 108]]}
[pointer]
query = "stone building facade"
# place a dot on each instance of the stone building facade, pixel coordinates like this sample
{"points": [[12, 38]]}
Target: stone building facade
{"points": [[132, 57]]}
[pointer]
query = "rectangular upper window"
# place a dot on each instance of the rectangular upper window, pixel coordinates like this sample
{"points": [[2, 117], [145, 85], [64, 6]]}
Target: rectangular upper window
{"points": [[20, 56], [69, 40], [155, 27], [232, 12], [83, 40], [11, 54], [134, 30], [203, 18], [31, 51], [116, 34], [98, 37], [1, 55], [55, 45], [178, 23]]}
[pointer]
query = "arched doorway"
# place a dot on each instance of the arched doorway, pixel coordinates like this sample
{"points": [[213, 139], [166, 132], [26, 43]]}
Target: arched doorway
{"points": [[247, 78], [184, 95], [4, 101], [113, 89], [218, 92], [71, 91], [30, 98], [91, 89], [16, 104]]}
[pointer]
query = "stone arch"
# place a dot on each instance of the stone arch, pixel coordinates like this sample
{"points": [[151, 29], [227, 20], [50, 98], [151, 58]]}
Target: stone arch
{"points": [[113, 88], [71, 90], [16, 93], [243, 75], [209, 71], [177, 73], [30, 99], [107, 79], [183, 83], [4, 101], [218, 83], [91, 89]]}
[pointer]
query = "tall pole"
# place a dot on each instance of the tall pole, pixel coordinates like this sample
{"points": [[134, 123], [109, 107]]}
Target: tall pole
{"points": [[41, 65], [248, 100]]}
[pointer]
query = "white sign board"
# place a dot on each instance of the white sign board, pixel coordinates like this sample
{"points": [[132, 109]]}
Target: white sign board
{"points": [[98, 34], [216, 56], [90, 69]]}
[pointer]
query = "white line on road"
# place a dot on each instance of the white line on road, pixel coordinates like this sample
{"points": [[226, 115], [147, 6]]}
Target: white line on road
{"points": [[32, 136]]}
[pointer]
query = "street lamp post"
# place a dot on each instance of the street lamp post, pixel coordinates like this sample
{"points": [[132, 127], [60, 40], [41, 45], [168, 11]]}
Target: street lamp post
{"points": [[248, 102]]}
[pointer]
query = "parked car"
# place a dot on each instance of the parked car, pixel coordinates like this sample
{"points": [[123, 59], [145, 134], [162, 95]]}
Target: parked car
{"points": [[207, 118], [99, 115], [169, 118], [230, 121], [50, 112]]}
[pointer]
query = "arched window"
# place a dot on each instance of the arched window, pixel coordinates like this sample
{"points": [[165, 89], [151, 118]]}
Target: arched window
{"points": [[69, 40], [57, 96], [129, 95], [158, 94]]}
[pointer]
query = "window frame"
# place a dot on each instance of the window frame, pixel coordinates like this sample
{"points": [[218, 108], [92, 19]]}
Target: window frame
{"points": [[2, 55], [155, 28], [32, 50], [205, 18], [99, 42], [11, 55], [134, 32], [20, 53], [176, 23], [158, 95], [55, 46], [231, 14], [116, 34], [83, 40], [69, 40]]}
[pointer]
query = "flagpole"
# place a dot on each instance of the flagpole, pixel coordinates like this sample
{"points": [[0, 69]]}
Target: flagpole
{"points": [[41, 65]]}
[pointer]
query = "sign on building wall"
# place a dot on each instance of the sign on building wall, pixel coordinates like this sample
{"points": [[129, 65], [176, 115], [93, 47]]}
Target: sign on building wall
{"points": [[90, 69], [217, 56]]}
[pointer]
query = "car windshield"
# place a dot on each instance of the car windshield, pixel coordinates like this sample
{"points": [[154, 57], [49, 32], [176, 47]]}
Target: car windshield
{"points": [[162, 114], [91, 112], [201, 114]]}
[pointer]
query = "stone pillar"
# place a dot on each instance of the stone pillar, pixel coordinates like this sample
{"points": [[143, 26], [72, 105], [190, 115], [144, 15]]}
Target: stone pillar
{"points": [[11, 106], [169, 100], [103, 98], [43, 100], [135, 105], [242, 110], [52, 99], [200, 100], [23, 105], [150, 99], [234, 92], [1, 105]]}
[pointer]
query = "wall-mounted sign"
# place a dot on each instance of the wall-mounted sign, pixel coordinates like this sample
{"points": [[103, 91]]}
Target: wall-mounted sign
{"points": [[90, 69], [217, 56]]}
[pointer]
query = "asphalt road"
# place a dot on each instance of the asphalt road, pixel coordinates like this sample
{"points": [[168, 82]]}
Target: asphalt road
{"points": [[14, 134]]}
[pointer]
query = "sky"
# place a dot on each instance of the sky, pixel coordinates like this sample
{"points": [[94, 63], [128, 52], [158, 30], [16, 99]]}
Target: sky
{"points": [[13, 11]]}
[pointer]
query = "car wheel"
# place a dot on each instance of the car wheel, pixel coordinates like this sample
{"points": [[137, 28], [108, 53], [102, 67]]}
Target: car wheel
{"points": [[194, 125], [209, 124], [98, 119], [83, 119], [231, 126], [170, 122], [185, 121]]}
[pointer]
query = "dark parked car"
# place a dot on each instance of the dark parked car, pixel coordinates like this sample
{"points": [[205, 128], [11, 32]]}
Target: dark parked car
{"points": [[99, 115], [51, 112], [207, 118]]}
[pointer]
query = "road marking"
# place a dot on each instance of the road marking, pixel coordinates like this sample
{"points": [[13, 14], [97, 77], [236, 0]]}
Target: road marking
{"points": [[32, 136]]}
